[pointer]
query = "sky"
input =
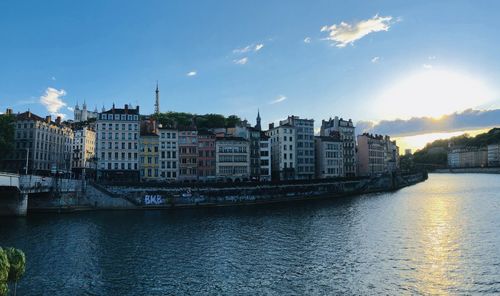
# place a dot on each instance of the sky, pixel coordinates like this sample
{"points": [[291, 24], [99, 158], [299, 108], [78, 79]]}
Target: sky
{"points": [[394, 67]]}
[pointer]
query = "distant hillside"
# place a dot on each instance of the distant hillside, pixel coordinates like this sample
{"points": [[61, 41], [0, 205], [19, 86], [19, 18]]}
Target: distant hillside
{"points": [[435, 154], [182, 119]]}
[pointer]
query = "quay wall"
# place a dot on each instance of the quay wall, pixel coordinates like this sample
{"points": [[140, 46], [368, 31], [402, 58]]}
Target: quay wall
{"points": [[491, 170], [98, 196]]}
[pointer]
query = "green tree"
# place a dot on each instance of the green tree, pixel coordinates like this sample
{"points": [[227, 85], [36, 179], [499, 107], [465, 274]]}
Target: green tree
{"points": [[4, 272], [17, 261], [6, 135]]}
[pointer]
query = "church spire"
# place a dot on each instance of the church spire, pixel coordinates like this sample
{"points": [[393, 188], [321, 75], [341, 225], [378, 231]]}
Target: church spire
{"points": [[257, 126], [157, 101]]}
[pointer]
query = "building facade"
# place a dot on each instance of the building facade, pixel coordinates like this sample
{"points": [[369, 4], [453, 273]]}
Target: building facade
{"points": [[206, 156], [169, 155], [83, 158], [232, 159], [45, 146], [149, 157], [282, 151], [188, 154], [371, 154], [391, 155], [468, 157], [117, 144], [329, 157], [304, 146], [265, 158], [348, 136], [494, 155]]}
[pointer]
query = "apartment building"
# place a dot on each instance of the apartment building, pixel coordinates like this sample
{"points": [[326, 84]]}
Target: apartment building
{"points": [[169, 157], [283, 143], [188, 154], [206, 156], [304, 146], [329, 157], [117, 144], [83, 158], [347, 136], [371, 154], [232, 159]]}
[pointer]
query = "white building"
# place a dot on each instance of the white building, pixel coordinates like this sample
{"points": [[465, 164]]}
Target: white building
{"points": [[329, 157], [117, 144], [348, 137], [169, 155], [304, 146], [494, 155], [283, 143], [83, 149], [265, 157], [391, 155], [232, 158]]}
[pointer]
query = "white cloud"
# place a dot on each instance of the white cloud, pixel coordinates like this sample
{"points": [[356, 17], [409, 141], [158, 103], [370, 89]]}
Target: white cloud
{"points": [[375, 60], [62, 115], [432, 57], [243, 49], [427, 66], [280, 99], [52, 99], [248, 48], [307, 40], [345, 33], [241, 61], [192, 73], [70, 109]]}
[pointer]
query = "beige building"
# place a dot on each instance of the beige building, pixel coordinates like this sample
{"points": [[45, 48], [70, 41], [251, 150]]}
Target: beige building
{"points": [[468, 157], [371, 155], [232, 158], [45, 145], [83, 150], [329, 157], [283, 143], [494, 155]]}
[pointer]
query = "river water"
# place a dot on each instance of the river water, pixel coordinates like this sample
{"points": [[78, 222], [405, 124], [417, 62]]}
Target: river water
{"points": [[437, 237]]}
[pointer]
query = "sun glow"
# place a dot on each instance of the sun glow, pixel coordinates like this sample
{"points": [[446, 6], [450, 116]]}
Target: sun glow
{"points": [[432, 93]]}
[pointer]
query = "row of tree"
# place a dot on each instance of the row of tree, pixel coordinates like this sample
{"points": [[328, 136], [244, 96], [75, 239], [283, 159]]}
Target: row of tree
{"points": [[12, 268], [206, 121]]}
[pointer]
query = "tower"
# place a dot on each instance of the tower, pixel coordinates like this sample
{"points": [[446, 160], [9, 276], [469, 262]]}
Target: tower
{"points": [[257, 126], [157, 102]]}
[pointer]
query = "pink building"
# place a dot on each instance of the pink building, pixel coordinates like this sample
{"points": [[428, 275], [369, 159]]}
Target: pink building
{"points": [[188, 154], [206, 155]]}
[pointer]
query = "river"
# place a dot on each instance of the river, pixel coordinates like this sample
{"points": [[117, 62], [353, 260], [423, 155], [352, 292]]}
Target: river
{"points": [[439, 237]]}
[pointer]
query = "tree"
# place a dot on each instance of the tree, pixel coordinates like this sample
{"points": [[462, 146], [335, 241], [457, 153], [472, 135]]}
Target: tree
{"points": [[6, 135], [4, 272], [17, 261], [12, 268]]}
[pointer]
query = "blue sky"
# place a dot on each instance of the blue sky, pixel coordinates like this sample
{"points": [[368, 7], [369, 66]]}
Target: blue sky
{"points": [[245, 55]]}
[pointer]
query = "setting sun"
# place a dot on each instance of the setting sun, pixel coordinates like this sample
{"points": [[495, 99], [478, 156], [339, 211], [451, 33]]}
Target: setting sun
{"points": [[433, 93]]}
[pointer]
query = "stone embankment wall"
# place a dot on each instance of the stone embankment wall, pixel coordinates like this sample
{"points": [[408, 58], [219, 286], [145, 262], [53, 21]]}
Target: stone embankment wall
{"points": [[469, 171], [96, 196]]}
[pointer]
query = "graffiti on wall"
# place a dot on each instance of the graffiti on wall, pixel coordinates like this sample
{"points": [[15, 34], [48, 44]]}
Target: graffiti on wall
{"points": [[154, 199]]}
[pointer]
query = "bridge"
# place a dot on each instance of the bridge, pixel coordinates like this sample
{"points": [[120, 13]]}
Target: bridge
{"points": [[14, 190]]}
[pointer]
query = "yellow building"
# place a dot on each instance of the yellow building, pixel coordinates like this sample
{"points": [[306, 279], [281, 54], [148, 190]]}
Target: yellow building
{"points": [[149, 157]]}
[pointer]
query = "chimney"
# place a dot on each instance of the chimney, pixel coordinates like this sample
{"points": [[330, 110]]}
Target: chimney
{"points": [[126, 108], [48, 118], [137, 108], [271, 125], [58, 120]]}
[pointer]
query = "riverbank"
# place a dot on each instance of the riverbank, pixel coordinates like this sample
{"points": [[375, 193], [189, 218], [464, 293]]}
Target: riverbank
{"points": [[157, 197], [468, 171]]}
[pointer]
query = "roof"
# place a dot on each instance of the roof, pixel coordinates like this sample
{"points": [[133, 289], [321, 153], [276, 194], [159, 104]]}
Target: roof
{"points": [[125, 110], [232, 139]]}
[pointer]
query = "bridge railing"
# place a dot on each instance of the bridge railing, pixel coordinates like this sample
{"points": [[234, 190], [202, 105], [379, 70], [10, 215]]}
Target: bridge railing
{"points": [[32, 183], [9, 180]]}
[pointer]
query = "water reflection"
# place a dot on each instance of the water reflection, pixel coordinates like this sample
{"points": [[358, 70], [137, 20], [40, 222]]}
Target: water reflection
{"points": [[436, 238]]}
